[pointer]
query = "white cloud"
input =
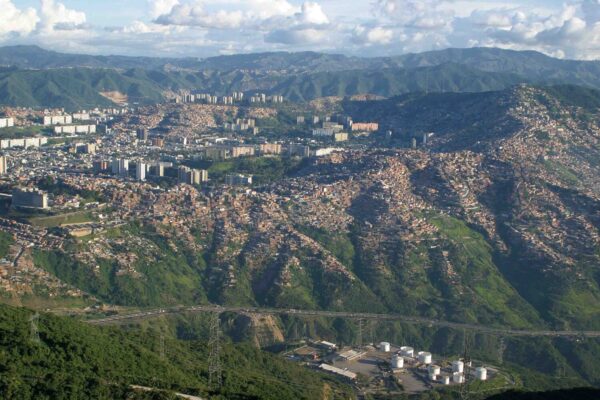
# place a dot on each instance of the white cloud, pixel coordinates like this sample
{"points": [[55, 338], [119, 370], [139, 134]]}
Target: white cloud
{"points": [[369, 36], [311, 13], [206, 27], [16, 21], [238, 14], [161, 7], [57, 16]]}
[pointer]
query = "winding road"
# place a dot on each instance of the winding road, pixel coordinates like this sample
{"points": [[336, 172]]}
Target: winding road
{"points": [[340, 314]]}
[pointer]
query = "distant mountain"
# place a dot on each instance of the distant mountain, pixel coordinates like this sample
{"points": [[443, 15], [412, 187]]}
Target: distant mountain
{"points": [[72, 88], [75, 88], [531, 65], [36, 77], [393, 81], [34, 57]]}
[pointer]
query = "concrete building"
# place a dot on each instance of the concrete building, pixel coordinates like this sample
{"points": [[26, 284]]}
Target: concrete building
{"points": [[29, 198], [81, 116], [57, 120], [7, 122], [340, 137], [364, 127], [73, 129], [142, 134], [120, 167], [85, 148], [140, 171], [158, 142], [300, 150], [323, 132], [3, 165], [100, 166], [270, 148], [192, 176], [242, 151], [238, 180], [25, 143]]}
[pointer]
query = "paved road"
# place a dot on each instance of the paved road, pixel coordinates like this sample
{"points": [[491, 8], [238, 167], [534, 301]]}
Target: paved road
{"points": [[336, 314]]}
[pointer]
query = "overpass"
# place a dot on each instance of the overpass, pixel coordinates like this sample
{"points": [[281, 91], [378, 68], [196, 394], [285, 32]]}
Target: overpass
{"points": [[492, 330]]}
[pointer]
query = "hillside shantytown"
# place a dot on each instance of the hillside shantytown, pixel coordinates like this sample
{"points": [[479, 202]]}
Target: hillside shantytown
{"points": [[299, 200]]}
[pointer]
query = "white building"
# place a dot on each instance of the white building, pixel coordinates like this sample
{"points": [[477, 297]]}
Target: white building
{"points": [[57, 120], [7, 122], [140, 172]]}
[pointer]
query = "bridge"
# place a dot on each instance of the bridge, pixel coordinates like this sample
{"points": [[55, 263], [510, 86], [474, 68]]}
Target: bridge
{"points": [[492, 330]]}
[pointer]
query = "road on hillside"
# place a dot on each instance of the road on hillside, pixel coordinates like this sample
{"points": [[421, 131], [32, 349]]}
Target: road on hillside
{"points": [[341, 314]]}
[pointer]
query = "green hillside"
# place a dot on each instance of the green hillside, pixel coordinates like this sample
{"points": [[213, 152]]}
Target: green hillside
{"points": [[73, 360]]}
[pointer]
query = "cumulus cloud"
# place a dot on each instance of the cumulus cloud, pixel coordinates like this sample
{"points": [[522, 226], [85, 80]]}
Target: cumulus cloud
{"points": [[207, 27], [16, 21], [369, 36], [161, 7], [310, 25], [197, 13], [57, 16]]}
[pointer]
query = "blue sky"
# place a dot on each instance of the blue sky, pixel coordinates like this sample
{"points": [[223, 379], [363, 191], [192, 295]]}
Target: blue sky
{"points": [[200, 28]]}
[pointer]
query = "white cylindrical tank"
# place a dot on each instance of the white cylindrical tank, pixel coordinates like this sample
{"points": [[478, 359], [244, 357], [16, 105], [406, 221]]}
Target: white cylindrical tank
{"points": [[407, 351], [397, 362], [432, 377], [424, 357], [458, 377], [385, 347], [458, 366], [434, 369], [481, 373], [446, 380]]}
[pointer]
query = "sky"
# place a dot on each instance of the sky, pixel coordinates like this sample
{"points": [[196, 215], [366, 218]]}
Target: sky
{"points": [[203, 28]]}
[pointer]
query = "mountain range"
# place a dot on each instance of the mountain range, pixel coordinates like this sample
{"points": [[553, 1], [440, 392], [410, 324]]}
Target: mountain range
{"points": [[35, 77]]}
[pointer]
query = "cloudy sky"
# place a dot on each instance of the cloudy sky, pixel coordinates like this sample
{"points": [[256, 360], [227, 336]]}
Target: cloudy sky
{"points": [[200, 28]]}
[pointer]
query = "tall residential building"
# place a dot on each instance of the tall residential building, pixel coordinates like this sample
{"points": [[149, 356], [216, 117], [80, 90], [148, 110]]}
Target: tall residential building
{"points": [[140, 171], [192, 176], [7, 122], [29, 198], [120, 167], [3, 165], [142, 134]]}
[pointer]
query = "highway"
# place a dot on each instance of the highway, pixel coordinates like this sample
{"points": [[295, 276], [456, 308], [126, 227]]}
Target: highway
{"points": [[337, 314]]}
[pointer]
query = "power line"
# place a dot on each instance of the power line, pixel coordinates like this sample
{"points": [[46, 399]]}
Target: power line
{"points": [[161, 347], [33, 325], [501, 350], [360, 333], [464, 387], [215, 369]]}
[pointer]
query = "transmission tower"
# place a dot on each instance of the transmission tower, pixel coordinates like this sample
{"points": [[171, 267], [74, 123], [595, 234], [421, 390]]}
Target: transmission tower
{"points": [[464, 387], [501, 350], [372, 330], [359, 339], [161, 348], [34, 332], [215, 371]]}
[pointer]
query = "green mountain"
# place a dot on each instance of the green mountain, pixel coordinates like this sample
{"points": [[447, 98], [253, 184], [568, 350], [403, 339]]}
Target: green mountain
{"points": [[72, 360], [34, 57], [76, 88]]}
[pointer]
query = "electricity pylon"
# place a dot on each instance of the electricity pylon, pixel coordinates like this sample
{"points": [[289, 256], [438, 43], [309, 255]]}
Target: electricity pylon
{"points": [[34, 332], [215, 370]]}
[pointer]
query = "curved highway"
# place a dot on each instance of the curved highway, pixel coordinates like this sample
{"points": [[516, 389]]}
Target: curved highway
{"points": [[341, 314]]}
